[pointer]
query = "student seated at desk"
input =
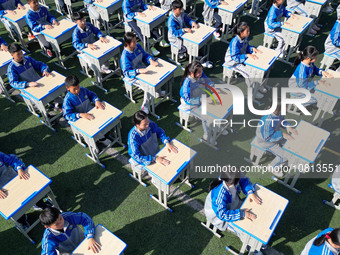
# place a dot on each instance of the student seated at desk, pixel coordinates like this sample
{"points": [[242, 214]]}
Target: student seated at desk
{"points": [[62, 234], [325, 243], [238, 52], [38, 19], [84, 35], [143, 141], [131, 9], [133, 61], [302, 77], [3, 45], [270, 137], [332, 43], [10, 167], [210, 13], [77, 103]]}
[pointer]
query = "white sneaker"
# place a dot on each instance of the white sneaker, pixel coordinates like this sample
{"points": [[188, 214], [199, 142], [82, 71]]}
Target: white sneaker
{"points": [[105, 142], [217, 34], [145, 108], [262, 89], [154, 51], [207, 64], [105, 71], [164, 44], [259, 95], [181, 55], [162, 94]]}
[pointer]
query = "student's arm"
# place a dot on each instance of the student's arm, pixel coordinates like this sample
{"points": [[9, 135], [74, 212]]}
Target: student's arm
{"points": [[96, 31], [84, 220], [268, 132], [336, 37], [2, 41], [271, 19], [134, 150], [212, 3], [88, 1], [2, 13], [12, 160], [186, 95], [50, 18], [188, 20], [68, 111], [14, 79], [250, 49], [146, 56], [206, 79], [92, 96], [286, 13], [317, 71], [127, 9], [143, 5], [17, 2], [127, 67], [172, 28], [246, 185], [160, 132], [49, 245], [38, 65], [32, 23], [222, 211], [235, 52], [76, 41]]}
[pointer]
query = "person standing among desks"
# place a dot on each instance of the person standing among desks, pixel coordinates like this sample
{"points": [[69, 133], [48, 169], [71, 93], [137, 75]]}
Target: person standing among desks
{"points": [[325, 243], [133, 8], [133, 62], [84, 35], [38, 19], [270, 138], [143, 141], [332, 43]]}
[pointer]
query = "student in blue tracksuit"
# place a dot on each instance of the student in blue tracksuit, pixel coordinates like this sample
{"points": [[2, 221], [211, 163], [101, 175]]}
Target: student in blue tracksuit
{"points": [[222, 205], [133, 8], [332, 43], [9, 7], [325, 243], [63, 235], [22, 71], [270, 137], [305, 71], [134, 61], [3, 45], [38, 19], [273, 23], [143, 141], [84, 35], [210, 13]]}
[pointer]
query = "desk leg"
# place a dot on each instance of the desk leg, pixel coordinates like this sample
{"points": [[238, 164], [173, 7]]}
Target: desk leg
{"points": [[94, 152], [77, 136], [45, 119], [5, 92], [51, 196], [158, 184], [24, 232], [30, 105], [56, 49]]}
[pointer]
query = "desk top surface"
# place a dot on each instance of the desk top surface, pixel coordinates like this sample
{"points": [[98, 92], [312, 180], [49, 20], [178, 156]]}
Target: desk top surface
{"points": [[64, 26], [20, 14], [232, 6], [20, 191], [299, 24], [151, 15], [332, 87], [199, 35], [103, 48], [106, 3], [265, 59]]}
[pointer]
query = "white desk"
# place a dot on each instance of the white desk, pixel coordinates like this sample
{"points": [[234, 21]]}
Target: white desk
{"points": [[48, 90], [57, 36], [110, 243], [154, 19], [293, 35], [106, 9], [103, 53], [18, 22], [155, 79], [302, 151], [327, 96], [92, 130], [335, 185], [259, 231], [230, 14], [23, 194], [314, 8], [165, 176], [198, 39]]}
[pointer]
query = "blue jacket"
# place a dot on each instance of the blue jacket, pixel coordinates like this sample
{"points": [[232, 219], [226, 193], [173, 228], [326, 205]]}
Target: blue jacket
{"points": [[126, 61], [303, 74], [136, 139], [324, 249], [79, 34], [189, 86], [128, 6], [175, 28], [4, 12], [11, 160], [221, 197], [212, 3], [50, 242], [71, 101], [2, 41], [335, 34], [13, 71], [235, 47], [270, 129], [32, 18], [272, 18]]}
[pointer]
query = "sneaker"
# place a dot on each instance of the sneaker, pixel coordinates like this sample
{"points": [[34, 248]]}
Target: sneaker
{"points": [[225, 132], [106, 71], [312, 31], [164, 44], [259, 95], [328, 10], [145, 108], [161, 94], [217, 34], [31, 37], [262, 89], [181, 55], [207, 64], [49, 53], [57, 107], [37, 208], [105, 142], [154, 51]]}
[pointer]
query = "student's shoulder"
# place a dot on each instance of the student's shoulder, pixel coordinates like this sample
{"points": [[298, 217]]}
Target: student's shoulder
{"points": [[132, 134]]}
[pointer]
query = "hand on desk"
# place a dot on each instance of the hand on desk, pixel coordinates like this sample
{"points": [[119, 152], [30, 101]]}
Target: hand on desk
{"points": [[3, 194], [224, 3], [100, 105], [162, 161], [45, 73], [11, 12], [254, 197], [86, 116], [93, 245], [188, 30], [48, 27], [23, 175], [293, 16], [141, 14], [288, 24], [33, 84], [252, 56], [4, 47], [195, 25], [92, 46], [104, 39], [327, 75], [55, 23], [153, 62], [99, 1], [171, 147], [292, 130], [152, 8], [21, 7], [287, 137], [257, 51], [249, 215]]}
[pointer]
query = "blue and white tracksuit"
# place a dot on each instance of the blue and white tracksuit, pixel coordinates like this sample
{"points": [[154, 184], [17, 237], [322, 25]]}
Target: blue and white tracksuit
{"points": [[269, 135], [9, 165], [176, 27], [143, 145], [37, 20], [324, 249], [273, 23], [222, 205], [302, 78], [332, 43], [56, 242], [210, 12], [20, 75], [298, 6], [73, 104]]}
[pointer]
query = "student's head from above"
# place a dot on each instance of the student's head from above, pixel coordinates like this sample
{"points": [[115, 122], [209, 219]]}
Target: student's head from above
{"points": [[230, 178], [193, 70], [333, 238], [34, 4], [72, 84], [308, 55], [79, 18], [51, 218], [130, 41], [177, 7], [278, 2], [141, 120], [242, 30], [16, 52]]}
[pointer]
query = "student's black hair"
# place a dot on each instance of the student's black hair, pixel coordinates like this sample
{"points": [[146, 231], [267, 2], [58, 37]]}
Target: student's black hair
{"points": [[334, 236], [71, 80], [177, 4], [272, 2], [14, 47], [229, 177], [239, 28], [192, 67], [77, 16], [28, 1], [308, 52], [49, 216], [128, 37], [138, 117]]}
